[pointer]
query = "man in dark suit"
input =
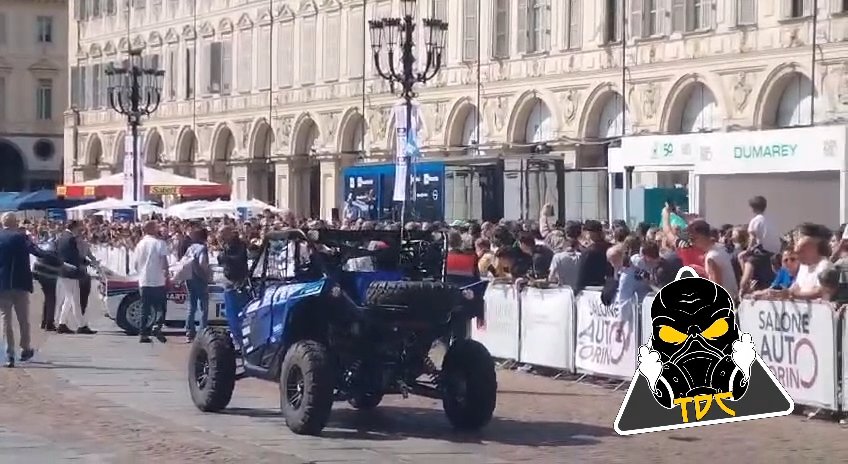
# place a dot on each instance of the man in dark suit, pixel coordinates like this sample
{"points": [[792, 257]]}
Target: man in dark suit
{"points": [[67, 287], [15, 285]]}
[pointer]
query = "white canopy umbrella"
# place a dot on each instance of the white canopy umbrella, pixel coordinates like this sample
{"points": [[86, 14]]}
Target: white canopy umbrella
{"points": [[147, 210], [186, 210], [108, 204], [253, 207]]}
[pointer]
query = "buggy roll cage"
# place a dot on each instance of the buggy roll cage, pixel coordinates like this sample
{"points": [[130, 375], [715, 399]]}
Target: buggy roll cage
{"points": [[418, 246]]}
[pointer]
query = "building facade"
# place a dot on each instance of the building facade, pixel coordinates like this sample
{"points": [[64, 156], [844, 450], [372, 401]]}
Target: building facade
{"points": [[33, 83], [276, 97]]}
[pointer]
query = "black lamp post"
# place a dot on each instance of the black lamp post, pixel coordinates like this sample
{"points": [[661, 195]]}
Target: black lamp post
{"points": [[397, 36], [134, 91]]}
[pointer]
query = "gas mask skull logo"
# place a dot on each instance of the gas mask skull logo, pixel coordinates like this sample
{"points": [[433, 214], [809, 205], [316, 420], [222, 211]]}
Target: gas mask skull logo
{"points": [[694, 331], [697, 365]]}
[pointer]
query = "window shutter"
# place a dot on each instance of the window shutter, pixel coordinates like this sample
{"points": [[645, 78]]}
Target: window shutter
{"points": [[285, 59], [307, 51], [331, 46], [356, 57], [263, 58], [659, 26], [678, 15], [84, 92], [226, 66], [706, 19], [203, 68], [744, 12], [215, 68], [636, 18], [521, 33], [546, 25], [575, 32], [808, 7], [245, 61]]}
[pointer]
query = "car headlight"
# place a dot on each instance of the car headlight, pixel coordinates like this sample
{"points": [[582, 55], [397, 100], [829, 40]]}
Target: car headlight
{"points": [[336, 292], [468, 294]]}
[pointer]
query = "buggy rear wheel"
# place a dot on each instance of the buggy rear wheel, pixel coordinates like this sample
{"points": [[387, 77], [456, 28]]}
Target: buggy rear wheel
{"points": [[469, 385], [306, 387], [212, 370]]}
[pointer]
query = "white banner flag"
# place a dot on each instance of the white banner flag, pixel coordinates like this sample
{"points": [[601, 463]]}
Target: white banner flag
{"points": [[131, 180], [401, 159]]}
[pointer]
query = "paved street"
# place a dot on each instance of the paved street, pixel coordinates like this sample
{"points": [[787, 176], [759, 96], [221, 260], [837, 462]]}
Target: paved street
{"points": [[105, 398]]}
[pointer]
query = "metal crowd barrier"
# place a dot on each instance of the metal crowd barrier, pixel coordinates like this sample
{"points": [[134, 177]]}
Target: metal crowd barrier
{"points": [[801, 342], [122, 260]]}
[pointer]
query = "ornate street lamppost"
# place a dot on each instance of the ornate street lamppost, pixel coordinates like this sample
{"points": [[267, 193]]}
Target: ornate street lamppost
{"points": [[134, 91], [397, 37]]}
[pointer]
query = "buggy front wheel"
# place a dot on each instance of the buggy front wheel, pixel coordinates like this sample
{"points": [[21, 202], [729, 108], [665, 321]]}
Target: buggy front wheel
{"points": [[212, 370], [306, 387], [469, 385]]}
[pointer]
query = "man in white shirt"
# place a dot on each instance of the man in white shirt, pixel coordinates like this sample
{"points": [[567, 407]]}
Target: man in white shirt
{"points": [[761, 231], [812, 250], [151, 266]]}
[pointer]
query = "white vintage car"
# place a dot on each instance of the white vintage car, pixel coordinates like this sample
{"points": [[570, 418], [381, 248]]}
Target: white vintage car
{"points": [[122, 301]]}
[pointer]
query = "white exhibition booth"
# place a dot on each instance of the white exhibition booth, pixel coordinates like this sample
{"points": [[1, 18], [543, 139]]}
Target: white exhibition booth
{"points": [[800, 171], [649, 155]]}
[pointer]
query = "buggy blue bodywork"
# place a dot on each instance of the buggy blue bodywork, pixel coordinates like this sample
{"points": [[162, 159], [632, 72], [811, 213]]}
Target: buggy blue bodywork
{"points": [[330, 331]]}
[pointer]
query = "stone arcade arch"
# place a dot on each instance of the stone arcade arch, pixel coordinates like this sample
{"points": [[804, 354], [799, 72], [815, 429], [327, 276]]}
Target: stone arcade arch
{"points": [[610, 118], [261, 174], [154, 154], [186, 154], [117, 160], [695, 111], [793, 108], [307, 178], [785, 99], [12, 176], [94, 158], [223, 145]]}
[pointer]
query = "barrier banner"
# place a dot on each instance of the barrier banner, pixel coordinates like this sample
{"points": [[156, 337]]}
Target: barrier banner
{"points": [[646, 327], [547, 328], [843, 322], [607, 340], [797, 341], [501, 332]]}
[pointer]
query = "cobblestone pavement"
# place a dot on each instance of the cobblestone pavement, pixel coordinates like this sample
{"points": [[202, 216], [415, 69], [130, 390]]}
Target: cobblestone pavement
{"points": [[105, 398]]}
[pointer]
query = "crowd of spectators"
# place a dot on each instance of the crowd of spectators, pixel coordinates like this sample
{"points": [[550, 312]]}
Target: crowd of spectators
{"points": [[751, 260]]}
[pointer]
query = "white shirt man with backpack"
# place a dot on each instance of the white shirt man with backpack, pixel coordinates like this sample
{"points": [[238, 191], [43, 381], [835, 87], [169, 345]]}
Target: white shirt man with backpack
{"points": [[195, 270]]}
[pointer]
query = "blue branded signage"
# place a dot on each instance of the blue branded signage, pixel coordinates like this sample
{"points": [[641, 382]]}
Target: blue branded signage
{"points": [[371, 187], [123, 215], [57, 214]]}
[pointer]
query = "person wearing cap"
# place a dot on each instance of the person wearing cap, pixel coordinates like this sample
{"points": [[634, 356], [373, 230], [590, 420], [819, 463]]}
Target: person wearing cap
{"points": [[15, 285]]}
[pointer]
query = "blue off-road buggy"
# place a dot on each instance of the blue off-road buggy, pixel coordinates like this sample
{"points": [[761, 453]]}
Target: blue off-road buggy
{"points": [[349, 316]]}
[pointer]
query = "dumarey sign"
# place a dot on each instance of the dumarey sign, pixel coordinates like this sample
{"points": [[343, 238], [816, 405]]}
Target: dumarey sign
{"points": [[807, 149]]}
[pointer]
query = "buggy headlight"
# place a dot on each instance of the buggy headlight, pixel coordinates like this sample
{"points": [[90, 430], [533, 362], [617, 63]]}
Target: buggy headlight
{"points": [[336, 291], [468, 294]]}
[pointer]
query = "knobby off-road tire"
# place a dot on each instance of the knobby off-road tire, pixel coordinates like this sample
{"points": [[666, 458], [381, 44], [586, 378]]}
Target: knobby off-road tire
{"points": [[469, 385], [215, 349], [432, 296], [307, 383]]}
